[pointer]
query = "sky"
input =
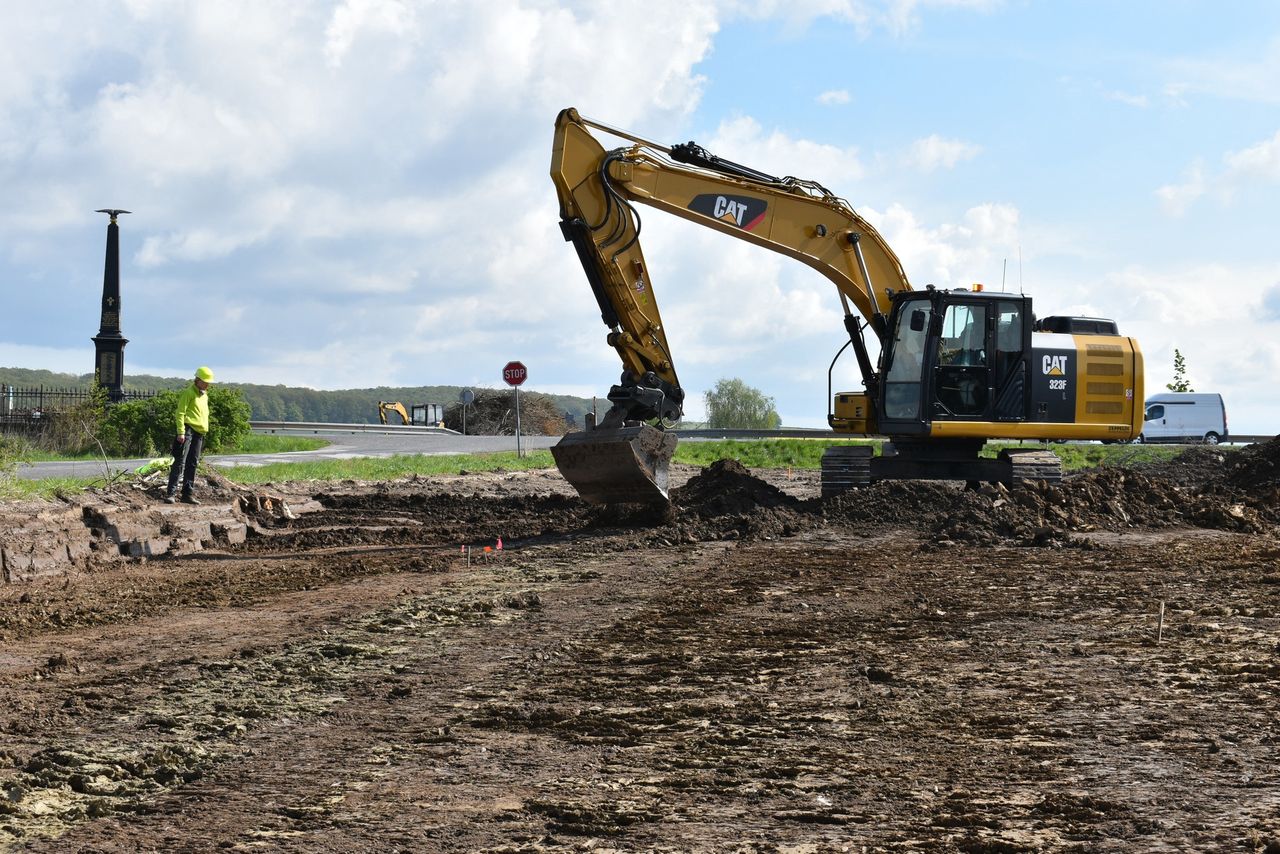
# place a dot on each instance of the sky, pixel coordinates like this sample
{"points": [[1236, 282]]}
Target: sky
{"points": [[355, 193]]}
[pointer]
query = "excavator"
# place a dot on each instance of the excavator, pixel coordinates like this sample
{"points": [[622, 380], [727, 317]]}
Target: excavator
{"points": [[955, 368], [385, 406]]}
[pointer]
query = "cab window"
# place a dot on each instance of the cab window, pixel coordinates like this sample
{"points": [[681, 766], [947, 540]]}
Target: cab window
{"points": [[1155, 411], [902, 384], [964, 330]]}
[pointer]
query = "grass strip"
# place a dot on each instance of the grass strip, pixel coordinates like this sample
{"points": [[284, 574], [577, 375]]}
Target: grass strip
{"points": [[752, 453], [254, 443], [387, 468]]}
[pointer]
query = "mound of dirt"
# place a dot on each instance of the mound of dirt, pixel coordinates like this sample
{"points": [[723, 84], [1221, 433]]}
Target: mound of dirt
{"points": [[1194, 467], [1041, 514], [1253, 476], [727, 487]]}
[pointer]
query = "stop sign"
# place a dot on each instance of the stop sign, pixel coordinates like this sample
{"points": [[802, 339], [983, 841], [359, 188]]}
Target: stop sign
{"points": [[515, 373]]}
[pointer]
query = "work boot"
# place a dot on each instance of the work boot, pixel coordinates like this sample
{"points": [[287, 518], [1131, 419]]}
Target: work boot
{"points": [[169, 499], [188, 498]]}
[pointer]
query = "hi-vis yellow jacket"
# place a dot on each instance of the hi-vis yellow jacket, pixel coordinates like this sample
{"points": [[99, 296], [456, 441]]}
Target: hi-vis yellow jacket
{"points": [[193, 409]]}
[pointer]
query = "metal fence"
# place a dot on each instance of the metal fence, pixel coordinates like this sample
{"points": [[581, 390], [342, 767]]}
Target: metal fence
{"points": [[26, 410]]}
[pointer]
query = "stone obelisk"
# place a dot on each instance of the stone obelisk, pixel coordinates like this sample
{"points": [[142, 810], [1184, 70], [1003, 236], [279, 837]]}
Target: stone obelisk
{"points": [[108, 370]]}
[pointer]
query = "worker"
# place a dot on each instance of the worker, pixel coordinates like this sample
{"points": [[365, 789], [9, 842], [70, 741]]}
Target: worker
{"points": [[191, 418]]}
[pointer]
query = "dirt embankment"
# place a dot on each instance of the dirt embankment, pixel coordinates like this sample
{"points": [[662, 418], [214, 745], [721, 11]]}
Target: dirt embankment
{"points": [[909, 667]]}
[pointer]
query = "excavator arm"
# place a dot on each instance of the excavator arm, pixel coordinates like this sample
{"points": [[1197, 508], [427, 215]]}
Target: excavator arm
{"points": [[597, 189]]}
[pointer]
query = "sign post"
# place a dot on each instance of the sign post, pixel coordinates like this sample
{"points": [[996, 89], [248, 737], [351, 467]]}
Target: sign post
{"points": [[466, 397], [514, 374]]}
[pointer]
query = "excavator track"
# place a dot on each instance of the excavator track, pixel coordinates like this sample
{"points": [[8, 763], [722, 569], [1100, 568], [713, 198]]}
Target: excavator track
{"points": [[845, 467], [1027, 466], [628, 465]]}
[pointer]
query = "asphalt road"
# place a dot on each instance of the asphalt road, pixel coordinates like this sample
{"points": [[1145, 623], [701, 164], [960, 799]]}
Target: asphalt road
{"points": [[344, 444]]}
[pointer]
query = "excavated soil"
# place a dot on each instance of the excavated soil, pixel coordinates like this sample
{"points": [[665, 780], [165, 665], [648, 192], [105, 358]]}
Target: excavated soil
{"points": [[485, 663]]}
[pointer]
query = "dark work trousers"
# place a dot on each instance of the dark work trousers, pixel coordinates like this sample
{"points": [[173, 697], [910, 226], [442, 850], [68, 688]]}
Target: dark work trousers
{"points": [[185, 456]]}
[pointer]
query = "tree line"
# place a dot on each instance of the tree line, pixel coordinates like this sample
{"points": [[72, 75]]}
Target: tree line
{"points": [[731, 403], [291, 403]]}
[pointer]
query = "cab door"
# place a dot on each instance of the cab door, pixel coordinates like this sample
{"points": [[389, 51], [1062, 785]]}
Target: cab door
{"points": [[962, 376], [1011, 338], [908, 362]]}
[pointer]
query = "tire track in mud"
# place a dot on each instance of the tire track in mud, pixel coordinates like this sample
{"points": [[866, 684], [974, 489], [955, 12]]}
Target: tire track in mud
{"points": [[378, 663]]}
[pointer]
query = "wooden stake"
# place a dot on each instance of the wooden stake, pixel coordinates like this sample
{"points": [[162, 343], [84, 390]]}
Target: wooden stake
{"points": [[1160, 624]]}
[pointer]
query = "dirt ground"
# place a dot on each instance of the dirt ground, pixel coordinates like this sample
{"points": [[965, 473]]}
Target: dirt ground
{"points": [[910, 667]]}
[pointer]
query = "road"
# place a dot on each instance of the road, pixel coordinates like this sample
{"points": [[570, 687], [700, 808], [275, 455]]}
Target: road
{"points": [[346, 442]]}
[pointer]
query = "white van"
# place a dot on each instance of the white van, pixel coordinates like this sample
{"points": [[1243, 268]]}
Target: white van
{"points": [[1185, 417]]}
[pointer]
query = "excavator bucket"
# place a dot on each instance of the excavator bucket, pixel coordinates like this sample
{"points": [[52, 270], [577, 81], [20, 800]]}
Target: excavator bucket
{"points": [[628, 465]]}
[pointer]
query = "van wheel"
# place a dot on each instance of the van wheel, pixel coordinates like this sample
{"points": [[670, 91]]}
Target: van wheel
{"points": [[1211, 438]]}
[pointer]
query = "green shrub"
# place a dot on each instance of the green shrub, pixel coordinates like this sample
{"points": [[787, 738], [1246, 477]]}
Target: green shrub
{"points": [[145, 428], [12, 451], [229, 415], [139, 428]]}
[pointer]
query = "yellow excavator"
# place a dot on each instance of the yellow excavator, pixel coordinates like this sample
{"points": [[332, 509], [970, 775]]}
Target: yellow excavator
{"points": [[385, 406], [955, 368]]}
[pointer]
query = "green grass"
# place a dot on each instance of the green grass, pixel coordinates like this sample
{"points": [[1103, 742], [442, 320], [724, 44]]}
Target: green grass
{"points": [[387, 468], [254, 443], [264, 443], [761, 453], [21, 489], [807, 453], [755, 454]]}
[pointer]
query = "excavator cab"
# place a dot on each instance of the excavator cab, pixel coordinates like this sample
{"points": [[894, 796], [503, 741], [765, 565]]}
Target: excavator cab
{"points": [[954, 356]]}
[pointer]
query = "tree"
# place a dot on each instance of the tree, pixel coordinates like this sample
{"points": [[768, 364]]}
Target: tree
{"points": [[733, 403], [1180, 382]]}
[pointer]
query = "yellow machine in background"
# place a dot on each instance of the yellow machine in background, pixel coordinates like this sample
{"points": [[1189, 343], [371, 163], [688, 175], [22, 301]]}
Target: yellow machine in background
{"points": [[955, 368], [385, 406]]}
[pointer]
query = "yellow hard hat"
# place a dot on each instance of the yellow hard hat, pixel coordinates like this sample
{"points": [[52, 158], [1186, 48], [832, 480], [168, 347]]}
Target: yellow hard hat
{"points": [[203, 373]]}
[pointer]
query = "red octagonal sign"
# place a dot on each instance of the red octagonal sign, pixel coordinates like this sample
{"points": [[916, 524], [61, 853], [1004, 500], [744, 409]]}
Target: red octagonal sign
{"points": [[515, 373]]}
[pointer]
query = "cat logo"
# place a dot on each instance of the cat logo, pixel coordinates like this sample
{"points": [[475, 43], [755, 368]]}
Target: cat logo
{"points": [[1054, 366], [743, 211]]}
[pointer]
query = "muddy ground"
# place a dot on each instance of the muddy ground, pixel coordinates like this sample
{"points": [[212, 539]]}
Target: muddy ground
{"points": [[912, 667]]}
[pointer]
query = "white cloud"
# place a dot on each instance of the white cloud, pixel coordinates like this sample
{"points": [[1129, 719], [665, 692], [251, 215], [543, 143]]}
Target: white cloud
{"points": [[1170, 307], [1271, 303], [834, 97], [934, 152], [1241, 170], [1177, 198], [369, 18], [1258, 162], [743, 140], [897, 17], [1255, 79], [1140, 101], [955, 254]]}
